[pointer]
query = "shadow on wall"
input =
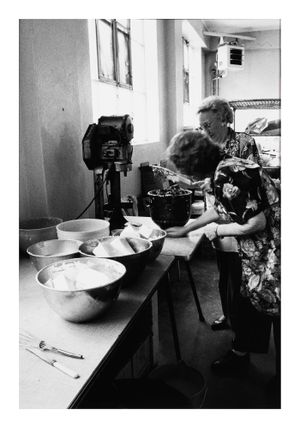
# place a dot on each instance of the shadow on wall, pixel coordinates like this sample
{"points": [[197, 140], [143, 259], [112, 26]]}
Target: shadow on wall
{"points": [[69, 184]]}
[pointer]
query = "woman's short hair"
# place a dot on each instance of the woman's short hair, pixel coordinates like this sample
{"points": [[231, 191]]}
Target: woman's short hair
{"points": [[194, 154], [218, 105]]}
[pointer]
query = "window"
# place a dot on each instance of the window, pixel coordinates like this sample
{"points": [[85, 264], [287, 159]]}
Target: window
{"points": [[186, 72], [113, 51], [193, 68], [140, 98]]}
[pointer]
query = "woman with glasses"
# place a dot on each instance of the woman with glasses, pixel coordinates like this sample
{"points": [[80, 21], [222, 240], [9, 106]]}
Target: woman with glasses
{"points": [[215, 117]]}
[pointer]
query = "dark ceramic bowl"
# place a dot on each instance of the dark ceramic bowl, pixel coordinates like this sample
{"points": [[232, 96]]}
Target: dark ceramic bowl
{"points": [[170, 210]]}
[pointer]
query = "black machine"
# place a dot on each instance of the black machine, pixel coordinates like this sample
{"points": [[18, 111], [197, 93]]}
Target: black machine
{"points": [[106, 147]]}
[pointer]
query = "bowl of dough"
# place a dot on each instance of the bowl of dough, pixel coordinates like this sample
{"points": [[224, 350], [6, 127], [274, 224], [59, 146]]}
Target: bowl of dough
{"points": [[153, 234], [81, 289], [133, 253]]}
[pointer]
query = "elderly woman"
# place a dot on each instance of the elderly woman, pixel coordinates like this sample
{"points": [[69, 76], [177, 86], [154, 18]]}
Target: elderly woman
{"points": [[248, 202], [215, 117]]}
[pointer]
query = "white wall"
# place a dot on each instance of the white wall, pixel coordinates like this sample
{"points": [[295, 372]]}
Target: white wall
{"points": [[55, 110], [261, 75]]}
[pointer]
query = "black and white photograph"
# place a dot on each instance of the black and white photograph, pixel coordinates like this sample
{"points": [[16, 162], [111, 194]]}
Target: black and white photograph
{"points": [[149, 213]]}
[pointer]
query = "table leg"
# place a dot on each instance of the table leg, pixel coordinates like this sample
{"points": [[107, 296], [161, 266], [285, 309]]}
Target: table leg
{"points": [[172, 317], [188, 267]]}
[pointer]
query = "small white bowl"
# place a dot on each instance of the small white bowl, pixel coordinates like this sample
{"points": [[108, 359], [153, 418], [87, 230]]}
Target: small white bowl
{"points": [[36, 230], [83, 229]]}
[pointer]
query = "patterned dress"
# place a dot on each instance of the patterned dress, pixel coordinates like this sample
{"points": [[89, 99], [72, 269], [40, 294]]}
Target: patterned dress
{"points": [[241, 145], [242, 190]]}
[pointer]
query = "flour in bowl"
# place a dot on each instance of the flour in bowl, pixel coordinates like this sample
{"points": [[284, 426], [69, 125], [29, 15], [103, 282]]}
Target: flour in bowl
{"points": [[78, 278]]}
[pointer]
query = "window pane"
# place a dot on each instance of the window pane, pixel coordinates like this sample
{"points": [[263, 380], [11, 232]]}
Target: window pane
{"points": [[124, 23], [138, 67], [186, 87], [185, 54], [124, 58], [105, 50], [186, 74]]}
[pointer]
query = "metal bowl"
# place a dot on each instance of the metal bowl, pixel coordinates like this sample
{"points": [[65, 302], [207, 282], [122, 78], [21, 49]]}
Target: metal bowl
{"points": [[36, 230], [54, 250], [157, 238], [85, 304], [83, 229], [134, 263]]}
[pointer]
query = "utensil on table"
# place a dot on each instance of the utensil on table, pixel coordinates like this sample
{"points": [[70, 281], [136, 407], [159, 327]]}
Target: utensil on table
{"points": [[55, 364], [27, 338]]}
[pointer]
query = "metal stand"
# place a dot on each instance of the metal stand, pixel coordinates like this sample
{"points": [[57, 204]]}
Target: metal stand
{"points": [[117, 220], [193, 287], [172, 318], [98, 190]]}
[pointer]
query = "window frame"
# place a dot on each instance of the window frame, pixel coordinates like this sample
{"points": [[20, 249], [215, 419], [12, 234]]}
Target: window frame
{"points": [[116, 27], [185, 71]]}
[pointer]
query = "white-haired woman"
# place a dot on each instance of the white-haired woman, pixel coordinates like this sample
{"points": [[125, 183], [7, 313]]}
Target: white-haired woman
{"points": [[215, 117]]}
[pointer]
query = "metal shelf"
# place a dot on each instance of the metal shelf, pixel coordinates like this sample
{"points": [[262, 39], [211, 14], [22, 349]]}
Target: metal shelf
{"points": [[264, 135], [255, 104], [258, 104]]}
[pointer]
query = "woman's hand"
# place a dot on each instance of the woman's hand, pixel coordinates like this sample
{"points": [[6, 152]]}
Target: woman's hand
{"points": [[211, 231], [203, 185], [206, 185], [176, 232]]}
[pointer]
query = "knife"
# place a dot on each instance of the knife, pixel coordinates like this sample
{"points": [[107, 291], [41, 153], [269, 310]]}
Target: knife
{"points": [[55, 364]]}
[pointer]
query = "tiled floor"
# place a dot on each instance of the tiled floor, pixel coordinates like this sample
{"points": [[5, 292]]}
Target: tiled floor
{"points": [[200, 346]]}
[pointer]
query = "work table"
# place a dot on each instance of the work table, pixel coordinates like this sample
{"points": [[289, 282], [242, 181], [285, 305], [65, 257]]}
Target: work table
{"points": [[180, 247], [42, 386]]}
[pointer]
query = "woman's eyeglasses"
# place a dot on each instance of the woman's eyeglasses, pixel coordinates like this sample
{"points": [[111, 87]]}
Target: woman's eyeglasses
{"points": [[205, 126]]}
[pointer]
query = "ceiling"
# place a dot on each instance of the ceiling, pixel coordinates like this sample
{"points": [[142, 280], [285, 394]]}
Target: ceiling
{"points": [[240, 25]]}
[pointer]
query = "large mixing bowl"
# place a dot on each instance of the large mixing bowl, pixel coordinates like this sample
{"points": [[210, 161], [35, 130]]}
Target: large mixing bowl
{"points": [[36, 230], [157, 239], [82, 304], [168, 210], [54, 250], [134, 263], [83, 229]]}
